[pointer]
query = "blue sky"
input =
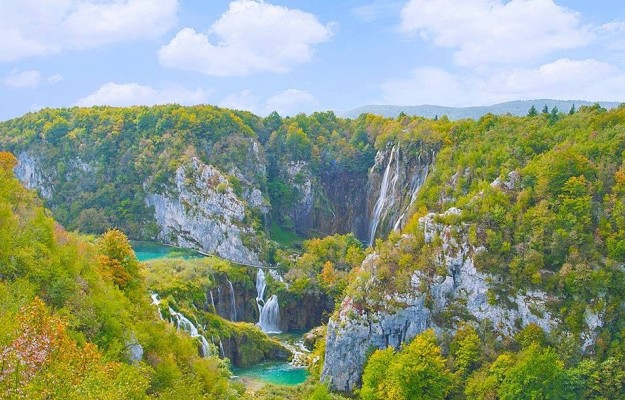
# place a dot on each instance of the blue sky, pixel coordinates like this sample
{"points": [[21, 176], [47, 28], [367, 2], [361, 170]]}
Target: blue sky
{"points": [[307, 55]]}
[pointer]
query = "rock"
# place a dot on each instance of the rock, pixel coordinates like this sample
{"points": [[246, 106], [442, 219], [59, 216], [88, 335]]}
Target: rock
{"points": [[311, 337], [352, 333], [30, 173], [407, 171], [203, 212], [134, 350]]}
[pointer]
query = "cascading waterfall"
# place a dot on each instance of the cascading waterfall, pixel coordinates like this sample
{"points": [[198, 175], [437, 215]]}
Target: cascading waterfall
{"points": [[269, 312], [233, 304], [183, 323], [270, 316], [261, 285], [383, 198], [156, 302]]}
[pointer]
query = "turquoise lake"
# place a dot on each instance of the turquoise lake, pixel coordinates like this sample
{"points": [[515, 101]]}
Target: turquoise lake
{"points": [[278, 373], [146, 251]]}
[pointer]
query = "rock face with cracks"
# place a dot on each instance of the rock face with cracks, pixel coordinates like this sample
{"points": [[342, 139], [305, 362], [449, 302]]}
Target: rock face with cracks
{"points": [[353, 332], [203, 212]]}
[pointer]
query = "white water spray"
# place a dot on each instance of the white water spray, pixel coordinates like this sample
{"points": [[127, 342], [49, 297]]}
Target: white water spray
{"points": [[183, 323], [156, 301], [233, 304], [269, 312], [383, 198]]}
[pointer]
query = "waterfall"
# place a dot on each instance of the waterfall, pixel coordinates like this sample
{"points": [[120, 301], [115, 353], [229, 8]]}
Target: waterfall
{"points": [[213, 301], [221, 349], [417, 181], [261, 285], [269, 312], [219, 298], [270, 316], [233, 304], [382, 199], [183, 323], [156, 301]]}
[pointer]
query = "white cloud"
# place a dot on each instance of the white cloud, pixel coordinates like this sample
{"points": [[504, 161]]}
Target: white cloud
{"points": [[129, 94], [243, 100], [291, 102], [564, 79], [251, 36], [35, 28], [24, 79], [286, 103], [495, 31], [54, 79], [376, 9]]}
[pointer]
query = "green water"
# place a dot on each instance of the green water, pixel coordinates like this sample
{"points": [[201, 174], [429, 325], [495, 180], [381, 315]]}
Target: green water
{"points": [[146, 251], [278, 373]]}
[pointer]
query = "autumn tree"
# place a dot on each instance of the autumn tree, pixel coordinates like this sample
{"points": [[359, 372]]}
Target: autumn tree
{"points": [[117, 259]]}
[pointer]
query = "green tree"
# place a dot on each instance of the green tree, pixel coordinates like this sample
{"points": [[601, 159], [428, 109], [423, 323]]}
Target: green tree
{"points": [[375, 374], [537, 373], [420, 371], [532, 112], [465, 349]]}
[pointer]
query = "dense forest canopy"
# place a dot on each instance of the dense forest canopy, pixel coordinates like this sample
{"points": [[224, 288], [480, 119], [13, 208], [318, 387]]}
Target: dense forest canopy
{"points": [[540, 198]]}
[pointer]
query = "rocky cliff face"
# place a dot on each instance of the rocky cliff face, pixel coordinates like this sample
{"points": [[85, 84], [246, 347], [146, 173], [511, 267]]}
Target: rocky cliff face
{"points": [[343, 208], [28, 171], [203, 212], [299, 176], [352, 332], [392, 186]]}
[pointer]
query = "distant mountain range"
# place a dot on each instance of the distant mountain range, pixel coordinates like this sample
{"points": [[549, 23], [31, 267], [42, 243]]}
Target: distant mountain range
{"points": [[518, 107]]}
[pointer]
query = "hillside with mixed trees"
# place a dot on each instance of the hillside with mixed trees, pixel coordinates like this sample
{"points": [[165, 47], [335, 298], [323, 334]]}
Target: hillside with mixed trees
{"points": [[496, 268]]}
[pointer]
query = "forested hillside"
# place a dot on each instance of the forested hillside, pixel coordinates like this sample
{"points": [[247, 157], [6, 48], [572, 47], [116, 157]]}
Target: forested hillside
{"points": [[76, 320], [472, 258]]}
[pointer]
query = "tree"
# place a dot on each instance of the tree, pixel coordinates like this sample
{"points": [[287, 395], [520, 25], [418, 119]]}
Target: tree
{"points": [[532, 112], [545, 109], [554, 115], [7, 161], [537, 373], [375, 374], [418, 371], [117, 259], [572, 110], [465, 350]]}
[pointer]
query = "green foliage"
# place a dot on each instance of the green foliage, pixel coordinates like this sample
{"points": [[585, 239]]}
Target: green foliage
{"points": [[325, 264], [101, 161], [537, 374], [70, 309], [418, 371]]}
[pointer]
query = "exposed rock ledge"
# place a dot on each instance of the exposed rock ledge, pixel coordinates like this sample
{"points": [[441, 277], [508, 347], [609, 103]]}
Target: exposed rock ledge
{"points": [[353, 333], [204, 213]]}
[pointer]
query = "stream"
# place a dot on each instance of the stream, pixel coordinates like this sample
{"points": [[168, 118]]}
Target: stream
{"points": [[274, 372]]}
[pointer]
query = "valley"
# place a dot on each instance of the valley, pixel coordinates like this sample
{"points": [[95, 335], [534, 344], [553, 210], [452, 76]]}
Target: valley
{"points": [[312, 252]]}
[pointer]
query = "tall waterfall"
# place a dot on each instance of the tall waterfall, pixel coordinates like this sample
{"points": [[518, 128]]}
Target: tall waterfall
{"points": [[183, 323], [233, 304], [383, 198], [213, 301], [269, 312], [270, 316]]}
